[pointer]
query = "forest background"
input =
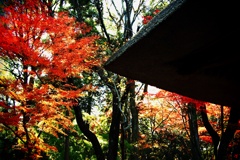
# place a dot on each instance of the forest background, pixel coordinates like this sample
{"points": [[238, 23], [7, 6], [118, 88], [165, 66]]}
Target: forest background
{"points": [[58, 102]]}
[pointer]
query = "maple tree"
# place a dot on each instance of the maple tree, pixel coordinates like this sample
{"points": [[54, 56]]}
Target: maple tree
{"points": [[215, 126], [41, 53], [166, 128]]}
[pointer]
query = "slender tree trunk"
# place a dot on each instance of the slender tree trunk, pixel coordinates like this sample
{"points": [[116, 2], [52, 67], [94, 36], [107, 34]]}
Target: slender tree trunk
{"points": [[61, 4], [125, 129], [128, 33], [28, 82], [194, 137], [66, 146], [116, 116], [66, 142], [114, 128], [228, 134], [122, 141], [99, 7], [214, 135], [221, 120], [91, 136], [134, 113]]}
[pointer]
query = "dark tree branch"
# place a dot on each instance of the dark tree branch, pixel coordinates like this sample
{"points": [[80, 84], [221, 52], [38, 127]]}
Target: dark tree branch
{"points": [[228, 135], [84, 127], [211, 131], [116, 116], [100, 16]]}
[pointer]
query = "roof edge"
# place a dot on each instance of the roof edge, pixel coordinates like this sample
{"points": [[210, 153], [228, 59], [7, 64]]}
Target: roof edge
{"points": [[160, 17]]}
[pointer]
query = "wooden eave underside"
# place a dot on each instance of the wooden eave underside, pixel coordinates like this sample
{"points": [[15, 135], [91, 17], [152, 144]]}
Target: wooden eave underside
{"points": [[191, 48]]}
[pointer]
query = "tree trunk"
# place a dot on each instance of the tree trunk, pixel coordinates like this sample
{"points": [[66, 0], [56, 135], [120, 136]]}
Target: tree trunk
{"points": [[116, 115], [221, 145], [66, 142], [66, 146], [114, 128], [194, 138], [128, 33], [134, 113], [84, 127], [228, 135], [99, 7], [214, 135]]}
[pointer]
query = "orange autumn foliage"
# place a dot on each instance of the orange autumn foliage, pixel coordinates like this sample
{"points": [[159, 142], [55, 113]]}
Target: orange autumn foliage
{"points": [[41, 53], [166, 113]]}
